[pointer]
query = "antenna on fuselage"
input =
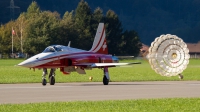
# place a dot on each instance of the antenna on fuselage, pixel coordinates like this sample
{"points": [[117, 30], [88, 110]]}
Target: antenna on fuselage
{"points": [[69, 43]]}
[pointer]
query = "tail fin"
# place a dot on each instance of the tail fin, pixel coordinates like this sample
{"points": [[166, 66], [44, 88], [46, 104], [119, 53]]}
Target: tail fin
{"points": [[100, 44]]}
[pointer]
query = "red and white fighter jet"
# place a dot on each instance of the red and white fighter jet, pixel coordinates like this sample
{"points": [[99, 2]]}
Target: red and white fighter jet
{"points": [[70, 59]]}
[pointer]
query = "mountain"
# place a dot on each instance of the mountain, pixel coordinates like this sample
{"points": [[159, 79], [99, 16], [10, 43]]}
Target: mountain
{"points": [[150, 18]]}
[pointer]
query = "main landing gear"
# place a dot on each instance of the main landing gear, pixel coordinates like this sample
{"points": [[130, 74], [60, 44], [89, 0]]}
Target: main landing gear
{"points": [[106, 77], [51, 76]]}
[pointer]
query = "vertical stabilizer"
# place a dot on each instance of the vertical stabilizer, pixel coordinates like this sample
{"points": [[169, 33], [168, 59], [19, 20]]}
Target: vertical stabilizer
{"points": [[100, 44]]}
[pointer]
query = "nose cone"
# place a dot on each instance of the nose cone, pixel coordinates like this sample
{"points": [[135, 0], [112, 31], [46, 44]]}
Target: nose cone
{"points": [[31, 62], [26, 63], [35, 60]]}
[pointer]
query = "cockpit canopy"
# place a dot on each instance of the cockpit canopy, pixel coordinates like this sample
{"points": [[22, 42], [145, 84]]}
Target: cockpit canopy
{"points": [[53, 48], [59, 48]]}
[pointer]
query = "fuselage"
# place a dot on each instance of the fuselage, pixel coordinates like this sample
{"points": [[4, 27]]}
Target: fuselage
{"points": [[57, 56]]}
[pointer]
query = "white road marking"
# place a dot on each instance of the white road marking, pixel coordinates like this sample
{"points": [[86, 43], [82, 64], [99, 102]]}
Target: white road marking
{"points": [[197, 84]]}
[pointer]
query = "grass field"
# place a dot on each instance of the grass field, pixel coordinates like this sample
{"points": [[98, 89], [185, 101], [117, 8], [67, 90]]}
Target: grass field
{"points": [[144, 105], [9, 73]]}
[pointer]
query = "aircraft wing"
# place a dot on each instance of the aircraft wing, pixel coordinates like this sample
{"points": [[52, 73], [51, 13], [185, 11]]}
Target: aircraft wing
{"points": [[106, 64]]}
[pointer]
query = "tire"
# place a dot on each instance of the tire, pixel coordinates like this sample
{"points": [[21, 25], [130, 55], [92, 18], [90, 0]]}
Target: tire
{"points": [[52, 80], [44, 82], [105, 80]]}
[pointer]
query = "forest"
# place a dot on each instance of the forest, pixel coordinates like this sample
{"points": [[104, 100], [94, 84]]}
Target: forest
{"points": [[150, 18], [35, 29]]}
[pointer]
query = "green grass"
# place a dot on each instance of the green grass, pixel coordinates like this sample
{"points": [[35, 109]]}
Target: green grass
{"points": [[9, 73], [144, 105]]}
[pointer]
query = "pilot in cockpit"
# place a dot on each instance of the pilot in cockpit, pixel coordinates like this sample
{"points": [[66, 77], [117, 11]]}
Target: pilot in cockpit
{"points": [[53, 49], [57, 48]]}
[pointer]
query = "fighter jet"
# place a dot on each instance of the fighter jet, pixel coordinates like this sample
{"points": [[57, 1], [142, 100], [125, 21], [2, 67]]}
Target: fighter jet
{"points": [[69, 59]]}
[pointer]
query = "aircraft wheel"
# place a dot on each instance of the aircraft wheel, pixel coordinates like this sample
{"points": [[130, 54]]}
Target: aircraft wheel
{"points": [[44, 82], [52, 80], [105, 80]]}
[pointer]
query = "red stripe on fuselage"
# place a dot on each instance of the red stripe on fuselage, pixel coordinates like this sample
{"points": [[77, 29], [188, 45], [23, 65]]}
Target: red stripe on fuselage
{"points": [[81, 54]]}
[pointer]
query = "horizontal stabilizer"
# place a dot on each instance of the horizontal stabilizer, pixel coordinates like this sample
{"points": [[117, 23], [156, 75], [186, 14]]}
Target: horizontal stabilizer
{"points": [[112, 64], [106, 64]]}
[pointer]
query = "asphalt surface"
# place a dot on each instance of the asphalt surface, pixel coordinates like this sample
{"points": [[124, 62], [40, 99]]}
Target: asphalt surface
{"points": [[31, 93]]}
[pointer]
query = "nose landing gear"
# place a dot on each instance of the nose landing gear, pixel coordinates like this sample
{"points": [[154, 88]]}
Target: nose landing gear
{"points": [[44, 81], [51, 76]]}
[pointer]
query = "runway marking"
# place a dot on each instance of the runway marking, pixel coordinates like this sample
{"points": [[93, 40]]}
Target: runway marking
{"points": [[196, 84]]}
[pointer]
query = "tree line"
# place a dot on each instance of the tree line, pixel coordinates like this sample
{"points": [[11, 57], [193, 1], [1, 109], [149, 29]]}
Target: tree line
{"points": [[35, 29]]}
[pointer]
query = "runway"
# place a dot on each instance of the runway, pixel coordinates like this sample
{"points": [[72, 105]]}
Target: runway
{"points": [[31, 93]]}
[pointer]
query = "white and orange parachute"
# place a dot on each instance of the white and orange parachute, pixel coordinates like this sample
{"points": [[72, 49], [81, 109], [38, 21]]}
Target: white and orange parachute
{"points": [[168, 55]]}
